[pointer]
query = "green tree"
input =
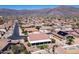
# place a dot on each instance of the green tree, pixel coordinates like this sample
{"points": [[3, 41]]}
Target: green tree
{"points": [[38, 27], [14, 49], [77, 24], [70, 39], [53, 48], [25, 33], [29, 44], [53, 41]]}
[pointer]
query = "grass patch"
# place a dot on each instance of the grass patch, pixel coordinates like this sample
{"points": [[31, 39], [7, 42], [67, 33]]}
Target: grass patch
{"points": [[42, 46], [25, 33]]}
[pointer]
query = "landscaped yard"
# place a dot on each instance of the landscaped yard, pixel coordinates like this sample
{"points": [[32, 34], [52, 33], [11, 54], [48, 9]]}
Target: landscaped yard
{"points": [[16, 49], [42, 46], [25, 33]]}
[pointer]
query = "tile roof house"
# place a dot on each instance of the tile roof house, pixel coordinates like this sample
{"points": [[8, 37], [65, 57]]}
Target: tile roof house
{"points": [[74, 49], [5, 27], [45, 29], [27, 25], [76, 30], [3, 44], [62, 28], [30, 29], [38, 37], [74, 33], [2, 29]]}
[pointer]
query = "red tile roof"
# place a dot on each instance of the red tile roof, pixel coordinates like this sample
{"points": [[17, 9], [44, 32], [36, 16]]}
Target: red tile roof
{"points": [[3, 43], [61, 50], [38, 36]]}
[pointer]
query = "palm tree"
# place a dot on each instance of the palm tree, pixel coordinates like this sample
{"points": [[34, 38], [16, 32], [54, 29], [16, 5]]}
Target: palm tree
{"points": [[70, 39]]}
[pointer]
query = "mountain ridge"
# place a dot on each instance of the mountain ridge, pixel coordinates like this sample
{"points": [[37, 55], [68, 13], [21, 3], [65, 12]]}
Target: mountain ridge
{"points": [[61, 10]]}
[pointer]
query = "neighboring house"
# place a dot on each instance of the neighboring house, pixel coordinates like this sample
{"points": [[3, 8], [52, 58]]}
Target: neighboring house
{"points": [[9, 23], [59, 40], [27, 25], [5, 27], [3, 44], [62, 28], [2, 30], [67, 50], [67, 28], [37, 38], [74, 33], [29, 30], [46, 29], [56, 28], [76, 30]]}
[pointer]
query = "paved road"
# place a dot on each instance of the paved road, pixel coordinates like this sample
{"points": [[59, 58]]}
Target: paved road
{"points": [[15, 34]]}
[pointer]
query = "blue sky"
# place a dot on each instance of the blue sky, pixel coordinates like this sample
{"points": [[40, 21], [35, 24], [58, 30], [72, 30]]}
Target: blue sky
{"points": [[19, 7]]}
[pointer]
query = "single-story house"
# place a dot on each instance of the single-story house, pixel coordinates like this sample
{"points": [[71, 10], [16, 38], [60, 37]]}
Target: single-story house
{"points": [[29, 30], [45, 29], [62, 28], [27, 25], [76, 30], [3, 44], [37, 38], [67, 50], [2, 29]]}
